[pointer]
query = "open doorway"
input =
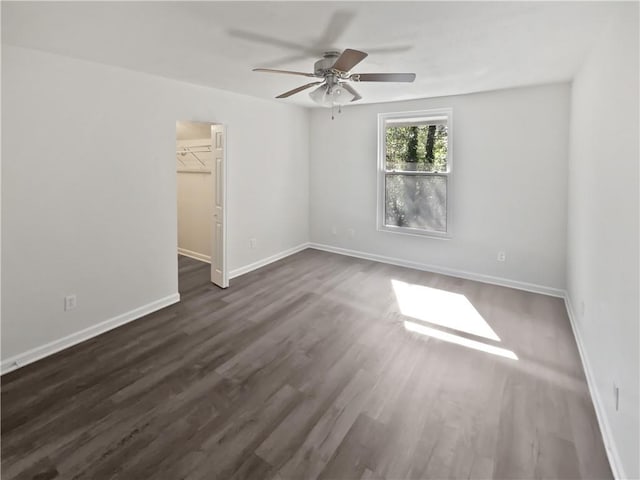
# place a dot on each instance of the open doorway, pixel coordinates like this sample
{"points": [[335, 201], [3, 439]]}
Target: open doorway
{"points": [[201, 197]]}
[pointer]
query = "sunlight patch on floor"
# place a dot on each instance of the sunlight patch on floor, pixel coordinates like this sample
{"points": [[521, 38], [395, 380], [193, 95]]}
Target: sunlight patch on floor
{"points": [[463, 341], [448, 309]]}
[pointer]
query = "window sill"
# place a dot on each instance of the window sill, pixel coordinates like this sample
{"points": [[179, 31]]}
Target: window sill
{"points": [[415, 232]]}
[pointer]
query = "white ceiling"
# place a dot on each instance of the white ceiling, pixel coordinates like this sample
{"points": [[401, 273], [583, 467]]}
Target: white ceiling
{"points": [[453, 47]]}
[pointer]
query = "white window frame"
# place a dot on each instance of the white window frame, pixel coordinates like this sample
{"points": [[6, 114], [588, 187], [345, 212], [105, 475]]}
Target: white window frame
{"points": [[413, 118]]}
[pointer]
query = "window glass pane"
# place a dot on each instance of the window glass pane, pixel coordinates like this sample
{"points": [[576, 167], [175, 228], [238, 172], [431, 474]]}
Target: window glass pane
{"points": [[416, 201], [417, 147]]}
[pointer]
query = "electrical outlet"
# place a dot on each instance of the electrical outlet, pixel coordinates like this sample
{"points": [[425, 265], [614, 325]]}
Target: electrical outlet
{"points": [[334, 230], [252, 243], [70, 302], [502, 256], [352, 232], [581, 309], [616, 396]]}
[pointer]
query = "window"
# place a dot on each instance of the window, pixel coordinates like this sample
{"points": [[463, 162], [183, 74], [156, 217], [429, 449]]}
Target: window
{"points": [[414, 172]]}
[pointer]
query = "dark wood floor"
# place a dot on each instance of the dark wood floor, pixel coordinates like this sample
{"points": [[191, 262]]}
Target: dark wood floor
{"points": [[308, 369]]}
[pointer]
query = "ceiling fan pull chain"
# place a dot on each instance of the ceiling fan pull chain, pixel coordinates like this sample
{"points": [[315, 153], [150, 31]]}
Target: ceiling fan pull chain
{"points": [[332, 109]]}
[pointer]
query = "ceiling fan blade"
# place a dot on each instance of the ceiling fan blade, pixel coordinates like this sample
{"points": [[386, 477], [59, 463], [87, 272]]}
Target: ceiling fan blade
{"points": [[340, 20], [349, 59], [262, 39], [270, 70], [352, 91], [391, 49], [299, 89], [383, 77], [294, 58]]}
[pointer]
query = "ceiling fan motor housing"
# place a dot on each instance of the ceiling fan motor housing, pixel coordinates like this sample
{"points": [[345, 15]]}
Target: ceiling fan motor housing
{"points": [[325, 63]]}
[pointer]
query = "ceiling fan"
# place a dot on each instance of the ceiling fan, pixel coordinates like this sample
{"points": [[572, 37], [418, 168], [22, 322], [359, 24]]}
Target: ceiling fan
{"points": [[334, 70]]}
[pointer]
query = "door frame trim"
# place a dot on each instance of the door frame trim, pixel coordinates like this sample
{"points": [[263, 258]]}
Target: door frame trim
{"points": [[225, 209], [225, 186]]}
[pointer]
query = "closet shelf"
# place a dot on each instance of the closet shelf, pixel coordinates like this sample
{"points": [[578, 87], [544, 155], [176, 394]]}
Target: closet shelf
{"points": [[192, 150], [186, 170]]}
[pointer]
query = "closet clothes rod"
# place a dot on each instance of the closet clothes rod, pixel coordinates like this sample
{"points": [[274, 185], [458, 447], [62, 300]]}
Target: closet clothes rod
{"points": [[194, 148], [185, 150]]}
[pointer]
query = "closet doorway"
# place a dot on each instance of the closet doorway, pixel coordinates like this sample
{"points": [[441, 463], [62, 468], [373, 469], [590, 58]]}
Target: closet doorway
{"points": [[201, 195]]}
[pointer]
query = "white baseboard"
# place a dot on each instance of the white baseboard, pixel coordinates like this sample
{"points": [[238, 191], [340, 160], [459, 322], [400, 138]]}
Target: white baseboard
{"points": [[50, 348], [194, 255], [605, 429], [503, 282], [266, 261]]}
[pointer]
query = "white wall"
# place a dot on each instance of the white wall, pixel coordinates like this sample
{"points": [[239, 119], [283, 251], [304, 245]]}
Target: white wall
{"points": [[603, 240], [186, 130], [89, 197], [195, 214], [508, 189]]}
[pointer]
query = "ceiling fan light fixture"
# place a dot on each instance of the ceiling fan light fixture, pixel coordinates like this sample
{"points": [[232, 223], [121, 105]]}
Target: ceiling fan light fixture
{"points": [[329, 97]]}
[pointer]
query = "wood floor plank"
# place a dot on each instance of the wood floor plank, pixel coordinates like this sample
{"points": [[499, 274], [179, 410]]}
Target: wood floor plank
{"points": [[517, 445], [237, 438], [287, 437], [323, 440], [556, 458], [355, 453], [253, 468], [305, 369]]}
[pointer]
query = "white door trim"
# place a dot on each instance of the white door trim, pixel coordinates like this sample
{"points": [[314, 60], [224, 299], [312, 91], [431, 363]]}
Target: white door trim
{"points": [[221, 182]]}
